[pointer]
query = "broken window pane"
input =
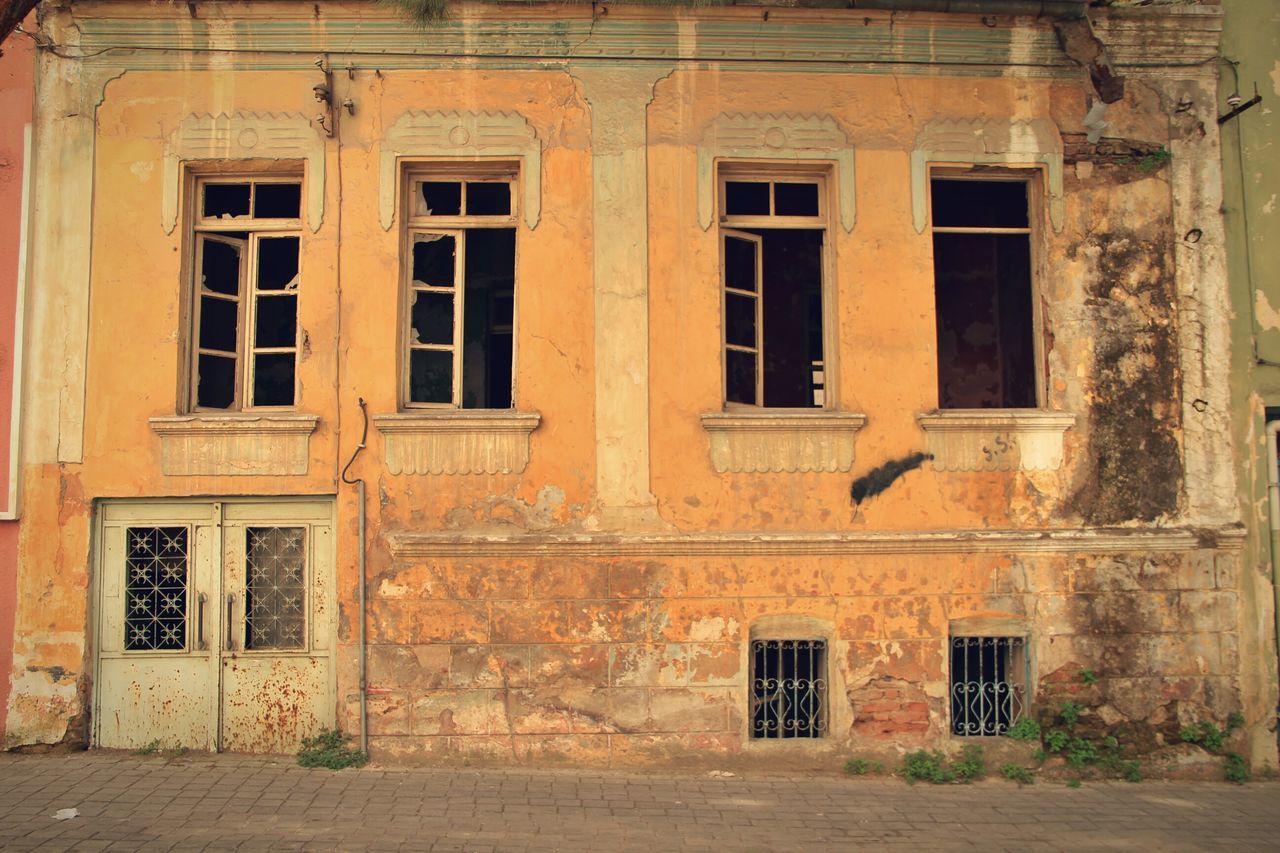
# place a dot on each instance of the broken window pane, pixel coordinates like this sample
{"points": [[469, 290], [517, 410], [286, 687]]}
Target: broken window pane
{"points": [[746, 198], [795, 199], [221, 200], [441, 198], [488, 199], [431, 320], [433, 259], [277, 201], [215, 382], [430, 376], [979, 204], [740, 377], [489, 282], [792, 314], [739, 263], [273, 379], [219, 324], [277, 263], [740, 320], [220, 266], [277, 321]]}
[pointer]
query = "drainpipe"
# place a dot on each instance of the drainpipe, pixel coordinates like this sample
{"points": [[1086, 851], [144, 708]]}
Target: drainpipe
{"points": [[1273, 505], [360, 588], [1051, 8]]}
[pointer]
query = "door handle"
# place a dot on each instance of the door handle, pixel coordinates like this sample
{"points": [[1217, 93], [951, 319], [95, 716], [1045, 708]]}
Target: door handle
{"points": [[200, 643], [231, 642]]}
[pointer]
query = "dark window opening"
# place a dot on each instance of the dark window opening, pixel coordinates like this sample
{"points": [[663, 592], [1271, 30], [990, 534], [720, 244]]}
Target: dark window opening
{"points": [[482, 349], [988, 684], [773, 326], [788, 688], [246, 306], [982, 285], [488, 198], [441, 198]]}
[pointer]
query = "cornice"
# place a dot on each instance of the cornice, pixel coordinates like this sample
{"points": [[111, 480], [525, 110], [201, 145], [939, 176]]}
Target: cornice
{"points": [[1175, 41], [711, 544]]}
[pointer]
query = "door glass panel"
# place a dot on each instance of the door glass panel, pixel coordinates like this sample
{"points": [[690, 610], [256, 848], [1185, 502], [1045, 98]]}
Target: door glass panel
{"points": [[156, 589], [275, 591]]}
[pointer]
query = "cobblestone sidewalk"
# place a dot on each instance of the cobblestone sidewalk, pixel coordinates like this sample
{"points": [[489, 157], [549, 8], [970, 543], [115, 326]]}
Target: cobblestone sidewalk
{"points": [[238, 803]]}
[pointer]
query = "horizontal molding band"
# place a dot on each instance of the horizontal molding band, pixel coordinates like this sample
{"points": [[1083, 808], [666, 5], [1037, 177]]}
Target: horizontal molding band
{"points": [[1039, 540], [1171, 38]]}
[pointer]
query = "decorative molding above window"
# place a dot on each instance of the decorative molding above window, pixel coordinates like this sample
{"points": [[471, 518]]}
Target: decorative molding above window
{"points": [[774, 137], [989, 142], [456, 135], [768, 441], [993, 440], [457, 441], [198, 445], [244, 136]]}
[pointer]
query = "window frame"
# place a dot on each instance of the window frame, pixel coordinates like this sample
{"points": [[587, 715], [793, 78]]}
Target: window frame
{"points": [[1018, 660], [1033, 176], [822, 173], [198, 231], [413, 224]]}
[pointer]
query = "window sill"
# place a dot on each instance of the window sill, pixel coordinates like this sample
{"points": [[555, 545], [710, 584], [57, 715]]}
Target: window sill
{"points": [[996, 440], [782, 440], [241, 444], [457, 441]]}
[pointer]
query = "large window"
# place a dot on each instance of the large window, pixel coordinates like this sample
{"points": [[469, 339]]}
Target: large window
{"points": [[773, 228], [982, 258], [245, 308], [459, 289]]}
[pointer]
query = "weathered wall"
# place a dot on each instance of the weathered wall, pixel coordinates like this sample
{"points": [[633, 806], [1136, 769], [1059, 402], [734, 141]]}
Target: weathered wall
{"points": [[17, 91], [1251, 178], [597, 604]]}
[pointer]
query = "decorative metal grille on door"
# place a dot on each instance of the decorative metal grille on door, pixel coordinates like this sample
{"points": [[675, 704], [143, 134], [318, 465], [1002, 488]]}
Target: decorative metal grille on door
{"points": [[155, 589], [788, 688], [276, 589]]}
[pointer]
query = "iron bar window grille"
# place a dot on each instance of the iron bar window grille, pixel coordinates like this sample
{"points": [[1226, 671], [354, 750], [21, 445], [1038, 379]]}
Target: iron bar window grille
{"points": [[276, 592], [156, 589], [988, 684], [788, 688]]}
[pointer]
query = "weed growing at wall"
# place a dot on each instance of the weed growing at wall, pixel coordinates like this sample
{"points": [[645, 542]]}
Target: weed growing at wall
{"points": [[1017, 773], [1025, 729], [861, 767], [329, 749], [1210, 738], [926, 766]]}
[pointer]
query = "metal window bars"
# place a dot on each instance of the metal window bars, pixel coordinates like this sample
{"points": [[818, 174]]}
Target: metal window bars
{"points": [[155, 589], [988, 684], [788, 688]]}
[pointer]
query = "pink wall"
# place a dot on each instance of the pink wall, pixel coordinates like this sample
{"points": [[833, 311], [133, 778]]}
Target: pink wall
{"points": [[17, 89]]}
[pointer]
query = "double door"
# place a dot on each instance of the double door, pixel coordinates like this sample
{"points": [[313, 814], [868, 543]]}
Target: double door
{"points": [[214, 624]]}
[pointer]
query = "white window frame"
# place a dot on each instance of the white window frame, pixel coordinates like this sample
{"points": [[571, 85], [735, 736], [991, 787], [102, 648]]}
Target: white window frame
{"points": [[732, 226], [1033, 178], [417, 223], [208, 228]]}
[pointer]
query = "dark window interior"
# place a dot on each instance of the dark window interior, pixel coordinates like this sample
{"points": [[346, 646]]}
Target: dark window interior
{"points": [[489, 280], [988, 684], [792, 320], [442, 198], [226, 200], [788, 688], [277, 201], [982, 284]]}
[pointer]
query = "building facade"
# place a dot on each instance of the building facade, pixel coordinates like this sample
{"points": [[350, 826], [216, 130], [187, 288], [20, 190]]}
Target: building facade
{"points": [[1251, 178], [17, 99], [629, 384]]}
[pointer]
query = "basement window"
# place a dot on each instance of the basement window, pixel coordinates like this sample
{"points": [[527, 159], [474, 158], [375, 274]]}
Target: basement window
{"points": [[988, 684], [983, 286], [247, 237], [459, 284], [788, 689], [773, 229]]}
